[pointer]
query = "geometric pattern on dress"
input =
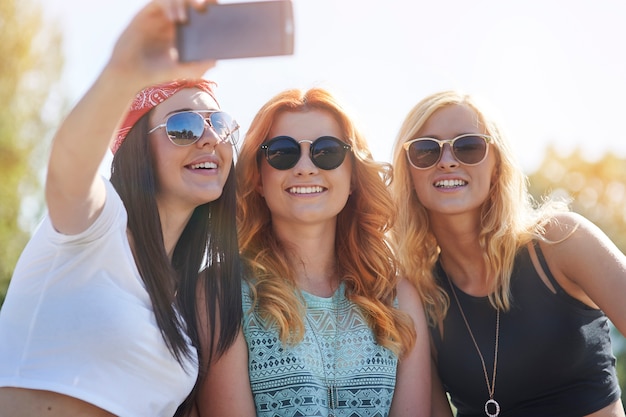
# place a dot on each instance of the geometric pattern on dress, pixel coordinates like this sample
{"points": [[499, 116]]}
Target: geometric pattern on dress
{"points": [[290, 381]]}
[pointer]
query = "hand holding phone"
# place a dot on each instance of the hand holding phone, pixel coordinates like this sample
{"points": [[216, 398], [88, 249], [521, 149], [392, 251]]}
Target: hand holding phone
{"points": [[237, 30]]}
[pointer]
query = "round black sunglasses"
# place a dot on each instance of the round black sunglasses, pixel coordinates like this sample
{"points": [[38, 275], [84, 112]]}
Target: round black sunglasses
{"points": [[326, 152]]}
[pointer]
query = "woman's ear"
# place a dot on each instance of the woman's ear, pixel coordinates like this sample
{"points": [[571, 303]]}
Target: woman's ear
{"points": [[495, 174], [259, 187]]}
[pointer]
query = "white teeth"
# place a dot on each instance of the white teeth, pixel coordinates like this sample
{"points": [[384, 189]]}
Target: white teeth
{"points": [[305, 190], [205, 165], [450, 183]]}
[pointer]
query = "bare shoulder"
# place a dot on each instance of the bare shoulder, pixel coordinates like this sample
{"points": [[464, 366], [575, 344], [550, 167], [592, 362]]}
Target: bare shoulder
{"points": [[563, 225], [587, 264], [407, 294], [410, 302], [574, 234]]}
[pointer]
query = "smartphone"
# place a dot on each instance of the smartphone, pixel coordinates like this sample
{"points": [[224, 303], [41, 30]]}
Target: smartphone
{"points": [[237, 30]]}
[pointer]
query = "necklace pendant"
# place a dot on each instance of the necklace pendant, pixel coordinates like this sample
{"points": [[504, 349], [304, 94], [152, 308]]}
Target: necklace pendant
{"points": [[495, 404]]}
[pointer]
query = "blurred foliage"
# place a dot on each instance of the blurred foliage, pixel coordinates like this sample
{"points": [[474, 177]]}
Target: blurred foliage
{"points": [[29, 69], [597, 190]]}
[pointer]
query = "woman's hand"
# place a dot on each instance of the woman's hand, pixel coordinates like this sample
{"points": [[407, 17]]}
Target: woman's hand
{"points": [[146, 50], [145, 54], [176, 10]]}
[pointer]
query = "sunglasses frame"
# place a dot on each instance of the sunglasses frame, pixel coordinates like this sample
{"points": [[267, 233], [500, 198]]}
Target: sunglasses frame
{"points": [[488, 139], [207, 121], [265, 147]]}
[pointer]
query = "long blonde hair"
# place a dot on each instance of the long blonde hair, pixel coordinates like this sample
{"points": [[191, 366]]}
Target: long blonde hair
{"points": [[509, 217], [364, 258]]}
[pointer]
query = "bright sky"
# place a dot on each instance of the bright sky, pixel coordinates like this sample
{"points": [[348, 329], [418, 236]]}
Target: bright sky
{"points": [[554, 70]]}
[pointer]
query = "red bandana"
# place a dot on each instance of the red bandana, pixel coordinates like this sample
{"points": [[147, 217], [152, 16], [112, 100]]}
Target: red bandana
{"points": [[152, 96]]}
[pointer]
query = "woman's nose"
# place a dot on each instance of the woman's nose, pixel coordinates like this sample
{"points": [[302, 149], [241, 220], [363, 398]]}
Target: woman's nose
{"points": [[447, 156], [305, 165]]}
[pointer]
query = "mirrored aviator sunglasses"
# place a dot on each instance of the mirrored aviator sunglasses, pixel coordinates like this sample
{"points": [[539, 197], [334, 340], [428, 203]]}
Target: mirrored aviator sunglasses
{"points": [[468, 149], [326, 152], [187, 127]]}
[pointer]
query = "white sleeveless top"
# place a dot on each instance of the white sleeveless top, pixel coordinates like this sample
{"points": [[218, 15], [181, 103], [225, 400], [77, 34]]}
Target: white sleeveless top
{"points": [[78, 321]]}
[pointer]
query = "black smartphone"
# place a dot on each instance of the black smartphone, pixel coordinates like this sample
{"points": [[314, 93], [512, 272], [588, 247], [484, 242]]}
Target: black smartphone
{"points": [[237, 30]]}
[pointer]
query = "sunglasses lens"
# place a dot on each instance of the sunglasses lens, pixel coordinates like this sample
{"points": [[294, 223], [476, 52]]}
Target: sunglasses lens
{"points": [[225, 126], [185, 128], [424, 153], [282, 153], [328, 152], [470, 150]]}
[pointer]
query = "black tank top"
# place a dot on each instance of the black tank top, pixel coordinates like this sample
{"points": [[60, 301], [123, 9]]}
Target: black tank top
{"points": [[554, 359]]}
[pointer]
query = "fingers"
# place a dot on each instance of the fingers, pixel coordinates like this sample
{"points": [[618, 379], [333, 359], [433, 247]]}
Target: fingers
{"points": [[176, 10], [145, 53]]}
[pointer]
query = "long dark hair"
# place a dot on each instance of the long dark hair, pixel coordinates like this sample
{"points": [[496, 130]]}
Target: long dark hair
{"points": [[205, 256]]}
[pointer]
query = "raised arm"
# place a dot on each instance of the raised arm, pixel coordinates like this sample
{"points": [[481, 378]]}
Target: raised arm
{"points": [[144, 54]]}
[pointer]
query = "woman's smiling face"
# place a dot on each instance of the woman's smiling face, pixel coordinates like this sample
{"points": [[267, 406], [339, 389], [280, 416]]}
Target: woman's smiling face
{"points": [[305, 193], [195, 174], [450, 186]]}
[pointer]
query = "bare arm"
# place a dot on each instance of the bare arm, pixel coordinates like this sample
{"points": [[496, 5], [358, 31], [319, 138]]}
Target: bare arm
{"points": [[226, 390], [413, 391], [143, 55], [588, 265], [440, 403]]}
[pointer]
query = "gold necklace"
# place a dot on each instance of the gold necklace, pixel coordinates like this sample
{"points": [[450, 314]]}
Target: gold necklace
{"points": [[332, 394], [491, 387]]}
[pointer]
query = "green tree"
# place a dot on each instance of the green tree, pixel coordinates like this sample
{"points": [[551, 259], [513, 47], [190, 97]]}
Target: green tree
{"points": [[597, 190], [30, 69]]}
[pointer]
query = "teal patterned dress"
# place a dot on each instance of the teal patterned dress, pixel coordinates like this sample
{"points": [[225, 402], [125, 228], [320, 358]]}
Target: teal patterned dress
{"points": [[337, 370]]}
